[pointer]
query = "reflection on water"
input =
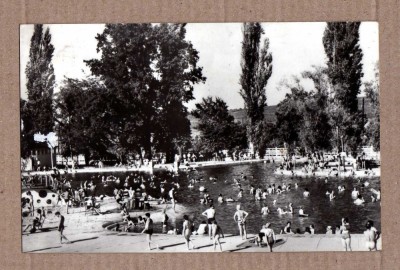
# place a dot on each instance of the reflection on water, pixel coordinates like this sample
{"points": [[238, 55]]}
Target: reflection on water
{"points": [[322, 211]]}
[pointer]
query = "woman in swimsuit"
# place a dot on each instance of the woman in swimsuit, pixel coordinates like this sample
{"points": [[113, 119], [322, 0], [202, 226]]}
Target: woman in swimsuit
{"points": [[187, 231], [240, 217], [345, 234]]}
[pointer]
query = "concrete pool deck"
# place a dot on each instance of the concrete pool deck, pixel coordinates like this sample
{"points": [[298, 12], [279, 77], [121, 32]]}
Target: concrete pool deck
{"points": [[88, 236], [113, 242]]}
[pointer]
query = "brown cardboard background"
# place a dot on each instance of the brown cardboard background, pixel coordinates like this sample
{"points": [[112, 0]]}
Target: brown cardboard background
{"points": [[100, 11]]}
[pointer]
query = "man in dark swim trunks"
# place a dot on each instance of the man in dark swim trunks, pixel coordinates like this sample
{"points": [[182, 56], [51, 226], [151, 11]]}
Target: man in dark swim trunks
{"points": [[210, 214], [148, 229], [61, 228]]}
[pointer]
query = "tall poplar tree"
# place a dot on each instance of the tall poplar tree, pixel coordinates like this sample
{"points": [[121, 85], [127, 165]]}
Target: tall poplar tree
{"points": [[37, 111], [341, 44], [256, 70], [40, 81]]}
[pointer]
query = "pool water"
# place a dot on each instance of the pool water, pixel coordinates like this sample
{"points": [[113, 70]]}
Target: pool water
{"points": [[322, 212]]}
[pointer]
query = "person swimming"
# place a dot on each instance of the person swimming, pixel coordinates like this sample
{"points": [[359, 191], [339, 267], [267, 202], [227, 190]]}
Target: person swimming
{"points": [[332, 196], [359, 201], [265, 210], [301, 212], [269, 189], [306, 193], [355, 193], [290, 207], [280, 211], [264, 194], [220, 198]]}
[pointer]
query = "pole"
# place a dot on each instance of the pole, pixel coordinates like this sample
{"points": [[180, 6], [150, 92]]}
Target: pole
{"points": [[51, 157]]}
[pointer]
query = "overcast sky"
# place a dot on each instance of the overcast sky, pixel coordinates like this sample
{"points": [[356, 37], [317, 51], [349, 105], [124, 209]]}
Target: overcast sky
{"points": [[295, 47]]}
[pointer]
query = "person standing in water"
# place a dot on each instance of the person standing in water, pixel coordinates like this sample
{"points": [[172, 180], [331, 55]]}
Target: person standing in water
{"points": [[210, 214], [148, 229], [217, 233], [187, 231], [265, 210], [61, 227], [240, 217]]}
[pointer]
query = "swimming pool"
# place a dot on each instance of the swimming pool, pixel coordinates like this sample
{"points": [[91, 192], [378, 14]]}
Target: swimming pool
{"points": [[322, 211]]}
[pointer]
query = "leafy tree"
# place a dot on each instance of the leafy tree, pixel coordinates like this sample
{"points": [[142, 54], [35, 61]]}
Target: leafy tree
{"points": [[303, 119], [40, 81], [176, 72], [217, 126], [256, 70], [37, 110], [127, 53], [341, 43], [373, 125], [27, 141], [289, 115], [85, 119], [317, 130], [149, 72]]}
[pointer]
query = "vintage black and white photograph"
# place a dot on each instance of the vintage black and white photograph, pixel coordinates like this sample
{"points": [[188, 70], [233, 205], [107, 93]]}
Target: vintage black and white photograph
{"points": [[200, 137]]}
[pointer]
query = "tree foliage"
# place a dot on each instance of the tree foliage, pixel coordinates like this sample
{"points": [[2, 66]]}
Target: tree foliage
{"points": [[256, 70], [303, 118], [217, 127], [37, 110], [85, 119], [149, 72], [40, 81], [373, 126], [341, 43]]}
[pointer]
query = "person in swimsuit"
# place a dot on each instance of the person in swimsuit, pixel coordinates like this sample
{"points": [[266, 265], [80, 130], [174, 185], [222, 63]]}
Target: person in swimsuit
{"points": [[301, 212], [210, 214], [187, 231], [265, 210], [288, 228], [345, 234], [377, 233], [172, 197], [370, 237], [61, 228], [240, 217], [217, 233], [267, 235], [148, 229], [312, 229]]}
